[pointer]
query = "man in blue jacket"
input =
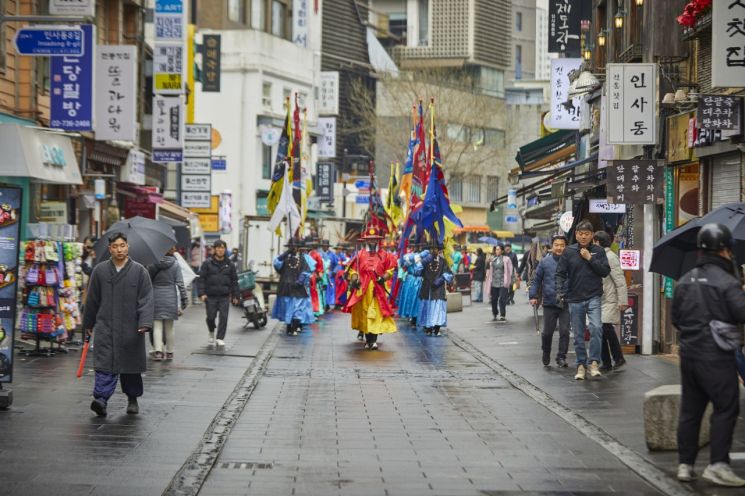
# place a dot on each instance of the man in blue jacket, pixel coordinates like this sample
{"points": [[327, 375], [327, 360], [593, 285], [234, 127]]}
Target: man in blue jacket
{"points": [[543, 286], [579, 282]]}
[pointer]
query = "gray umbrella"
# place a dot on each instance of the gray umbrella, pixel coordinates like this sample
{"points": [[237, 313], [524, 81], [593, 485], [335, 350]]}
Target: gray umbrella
{"points": [[148, 239]]}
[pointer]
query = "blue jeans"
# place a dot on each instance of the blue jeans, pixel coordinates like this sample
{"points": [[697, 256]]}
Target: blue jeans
{"points": [[478, 291], [580, 312]]}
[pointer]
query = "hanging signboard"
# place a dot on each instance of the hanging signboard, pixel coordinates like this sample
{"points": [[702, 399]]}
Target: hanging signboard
{"points": [[10, 222], [720, 112], [728, 44], [327, 142], [211, 53], [116, 92], [601, 206], [630, 321], [86, 8], [195, 166], [169, 21], [328, 95], [197, 149], [198, 132], [168, 129], [635, 181], [563, 115], [325, 182], [630, 259], [564, 27], [196, 183], [71, 87], [42, 41], [632, 106], [219, 164], [169, 68], [134, 170], [300, 23], [192, 199]]}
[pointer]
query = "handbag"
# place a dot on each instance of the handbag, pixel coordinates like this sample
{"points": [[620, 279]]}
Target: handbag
{"points": [[32, 276], [51, 276], [727, 337]]}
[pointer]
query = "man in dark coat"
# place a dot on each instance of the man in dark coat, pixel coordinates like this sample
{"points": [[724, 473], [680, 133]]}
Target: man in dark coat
{"points": [[217, 282], [435, 273], [711, 292], [118, 311], [513, 258], [479, 275]]}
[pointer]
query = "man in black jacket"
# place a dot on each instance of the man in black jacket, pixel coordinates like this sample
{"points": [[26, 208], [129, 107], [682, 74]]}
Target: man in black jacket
{"points": [[217, 282], [479, 275], [579, 282], [712, 291], [513, 258]]}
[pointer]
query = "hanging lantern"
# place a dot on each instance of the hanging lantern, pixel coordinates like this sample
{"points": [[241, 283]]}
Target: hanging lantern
{"points": [[618, 18], [602, 37], [639, 3]]}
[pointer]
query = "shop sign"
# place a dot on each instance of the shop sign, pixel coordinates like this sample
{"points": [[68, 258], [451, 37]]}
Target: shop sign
{"points": [[633, 104], [169, 26], [328, 101], [720, 112], [601, 206], [198, 132], [134, 170], [10, 222], [728, 44], [197, 149], [86, 8], [211, 64], [630, 322], [116, 92], [630, 259], [679, 132], [226, 213], [196, 183], [300, 23], [210, 222], [169, 68], [635, 181], [605, 150], [327, 143], [563, 115], [219, 164], [53, 212], [325, 182], [195, 166], [71, 87], [52, 155], [45, 41], [168, 128], [688, 193], [564, 26], [139, 206], [191, 199], [669, 221]]}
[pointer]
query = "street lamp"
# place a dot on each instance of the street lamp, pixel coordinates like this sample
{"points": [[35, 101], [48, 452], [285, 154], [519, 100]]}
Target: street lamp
{"points": [[618, 18], [602, 37], [639, 3], [587, 52]]}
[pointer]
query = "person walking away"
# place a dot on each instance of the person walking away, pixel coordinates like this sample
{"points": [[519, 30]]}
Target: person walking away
{"points": [[502, 277], [707, 297], [169, 300], [579, 282], [217, 282], [513, 258], [118, 311], [292, 305], [457, 259], [195, 261], [435, 273], [236, 259], [614, 303], [543, 286], [479, 274]]}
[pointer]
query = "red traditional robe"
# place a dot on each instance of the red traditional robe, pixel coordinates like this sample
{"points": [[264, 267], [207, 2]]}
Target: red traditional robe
{"points": [[371, 311], [314, 278]]}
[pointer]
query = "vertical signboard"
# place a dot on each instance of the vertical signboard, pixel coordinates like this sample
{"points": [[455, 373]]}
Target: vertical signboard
{"points": [[728, 44], [300, 23], [168, 129], [669, 220], [635, 181], [169, 51], [211, 47], [71, 87], [196, 171], [563, 115], [116, 92], [10, 221], [327, 143], [325, 182], [564, 18], [328, 95], [632, 92]]}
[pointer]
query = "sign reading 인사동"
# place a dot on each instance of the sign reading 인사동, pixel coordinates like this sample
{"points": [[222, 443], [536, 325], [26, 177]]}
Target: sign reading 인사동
{"points": [[635, 181], [116, 86], [630, 259], [632, 105], [71, 87], [564, 27], [563, 116], [720, 112], [728, 44], [168, 129], [41, 41]]}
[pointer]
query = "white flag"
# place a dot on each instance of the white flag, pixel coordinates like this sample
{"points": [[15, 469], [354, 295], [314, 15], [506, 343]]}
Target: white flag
{"points": [[285, 207]]}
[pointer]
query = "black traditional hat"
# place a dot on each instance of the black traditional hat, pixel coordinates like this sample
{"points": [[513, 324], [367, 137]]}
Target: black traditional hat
{"points": [[294, 243]]}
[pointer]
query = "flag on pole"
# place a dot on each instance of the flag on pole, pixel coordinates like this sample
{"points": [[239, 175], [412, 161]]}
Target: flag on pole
{"points": [[285, 207], [409, 164], [306, 181], [420, 169], [296, 159], [280, 163], [393, 201]]}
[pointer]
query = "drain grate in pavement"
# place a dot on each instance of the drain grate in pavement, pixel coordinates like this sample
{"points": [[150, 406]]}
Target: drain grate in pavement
{"points": [[196, 369], [245, 465]]}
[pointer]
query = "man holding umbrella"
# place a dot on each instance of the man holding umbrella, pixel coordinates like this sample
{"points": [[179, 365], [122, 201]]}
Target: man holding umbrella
{"points": [[707, 298], [119, 310], [217, 282]]}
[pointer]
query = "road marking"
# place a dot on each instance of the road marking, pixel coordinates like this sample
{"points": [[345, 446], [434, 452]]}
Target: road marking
{"points": [[510, 342]]}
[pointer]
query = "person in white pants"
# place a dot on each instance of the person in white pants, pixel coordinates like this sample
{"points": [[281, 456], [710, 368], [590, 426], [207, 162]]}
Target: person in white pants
{"points": [[168, 292]]}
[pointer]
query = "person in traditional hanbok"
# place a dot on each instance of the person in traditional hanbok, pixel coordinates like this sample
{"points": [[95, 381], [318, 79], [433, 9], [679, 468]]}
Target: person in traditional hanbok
{"points": [[410, 303], [369, 271], [316, 278], [331, 262], [340, 279], [435, 274], [293, 305]]}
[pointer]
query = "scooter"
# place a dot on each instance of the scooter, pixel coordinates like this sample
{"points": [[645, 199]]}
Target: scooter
{"points": [[252, 299]]}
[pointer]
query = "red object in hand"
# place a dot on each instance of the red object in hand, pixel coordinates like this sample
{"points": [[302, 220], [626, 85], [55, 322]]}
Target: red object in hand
{"points": [[81, 366]]}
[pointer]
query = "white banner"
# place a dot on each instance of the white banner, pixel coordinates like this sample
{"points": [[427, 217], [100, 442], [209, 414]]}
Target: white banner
{"points": [[327, 143], [116, 93], [196, 165], [134, 170], [197, 149], [85, 8], [328, 95], [300, 23], [169, 68], [728, 44], [632, 104], [562, 116], [191, 199], [601, 206], [196, 183], [168, 123], [198, 132]]}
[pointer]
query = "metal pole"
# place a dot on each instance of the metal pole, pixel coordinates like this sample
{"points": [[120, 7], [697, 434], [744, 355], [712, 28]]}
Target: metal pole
{"points": [[36, 18], [344, 186]]}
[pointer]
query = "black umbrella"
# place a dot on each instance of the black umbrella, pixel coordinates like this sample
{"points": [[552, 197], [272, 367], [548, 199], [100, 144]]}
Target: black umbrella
{"points": [[148, 239], [675, 253]]}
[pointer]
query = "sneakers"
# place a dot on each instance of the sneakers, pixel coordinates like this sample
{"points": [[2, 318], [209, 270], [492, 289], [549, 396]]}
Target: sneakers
{"points": [[360, 336], [211, 339], [503, 319], [220, 343], [595, 369], [158, 356], [561, 363], [374, 346], [581, 372], [721, 474], [685, 473], [99, 407], [169, 356], [546, 358], [494, 318], [367, 346], [606, 368], [132, 407]]}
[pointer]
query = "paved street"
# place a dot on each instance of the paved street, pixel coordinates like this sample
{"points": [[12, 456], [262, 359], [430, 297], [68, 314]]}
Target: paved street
{"points": [[472, 412]]}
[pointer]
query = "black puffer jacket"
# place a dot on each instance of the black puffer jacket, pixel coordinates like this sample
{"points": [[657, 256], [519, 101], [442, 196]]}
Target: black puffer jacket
{"points": [[217, 279], [720, 298], [479, 268], [578, 279]]}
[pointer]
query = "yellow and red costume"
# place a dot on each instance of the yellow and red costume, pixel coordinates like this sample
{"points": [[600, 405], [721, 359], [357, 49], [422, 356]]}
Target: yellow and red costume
{"points": [[371, 311]]}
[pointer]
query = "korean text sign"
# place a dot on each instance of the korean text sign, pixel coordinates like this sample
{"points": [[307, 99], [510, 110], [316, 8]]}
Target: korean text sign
{"points": [[563, 116], [327, 142], [325, 181], [168, 129], [116, 92], [635, 181], [564, 26], [720, 112], [71, 87], [728, 44], [211, 44], [632, 104]]}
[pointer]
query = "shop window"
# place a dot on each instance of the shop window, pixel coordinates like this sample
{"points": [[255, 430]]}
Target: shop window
{"points": [[519, 22], [266, 95], [266, 162], [258, 15], [237, 11], [492, 188], [397, 25], [494, 138], [455, 188], [472, 189]]}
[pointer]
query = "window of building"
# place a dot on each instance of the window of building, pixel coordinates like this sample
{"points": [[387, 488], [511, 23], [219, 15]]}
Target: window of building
{"points": [[492, 188], [472, 189], [423, 6], [279, 18], [457, 132], [258, 15], [286, 94], [397, 25], [266, 162], [494, 138], [42, 74], [3, 51], [518, 62], [491, 81], [261, 202], [237, 11], [455, 188], [266, 95], [519, 22]]}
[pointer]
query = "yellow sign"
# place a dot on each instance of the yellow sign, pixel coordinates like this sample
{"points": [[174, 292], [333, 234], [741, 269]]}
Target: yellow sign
{"points": [[168, 81], [216, 138], [210, 223], [677, 138], [213, 209], [190, 93]]}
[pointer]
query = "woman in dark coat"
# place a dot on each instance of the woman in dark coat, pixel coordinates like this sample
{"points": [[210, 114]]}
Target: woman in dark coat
{"points": [[435, 273], [169, 295]]}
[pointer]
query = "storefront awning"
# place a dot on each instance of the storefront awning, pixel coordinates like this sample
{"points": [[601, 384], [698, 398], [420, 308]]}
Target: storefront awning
{"points": [[559, 170], [174, 212], [45, 157], [547, 150]]}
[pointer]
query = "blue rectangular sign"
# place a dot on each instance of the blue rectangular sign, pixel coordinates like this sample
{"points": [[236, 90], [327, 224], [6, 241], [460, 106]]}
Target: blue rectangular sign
{"points": [[163, 156], [50, 41], [219, 164], [362, 183], [362, 200], [169, 6], [71, 87]]}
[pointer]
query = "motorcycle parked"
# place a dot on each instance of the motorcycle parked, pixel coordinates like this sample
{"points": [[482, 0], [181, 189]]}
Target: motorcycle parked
{"points": [[252, 299]]}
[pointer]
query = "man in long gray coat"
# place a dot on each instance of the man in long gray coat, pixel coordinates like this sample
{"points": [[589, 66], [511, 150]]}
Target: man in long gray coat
{"points": [[119, 310]]}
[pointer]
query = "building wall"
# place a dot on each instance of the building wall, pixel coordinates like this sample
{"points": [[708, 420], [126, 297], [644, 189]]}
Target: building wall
{"points": [[542, 57], [525, 38]]}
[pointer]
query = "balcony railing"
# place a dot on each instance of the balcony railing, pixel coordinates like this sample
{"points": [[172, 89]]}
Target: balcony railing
{"points": [[632, 54], [703, 25]]}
